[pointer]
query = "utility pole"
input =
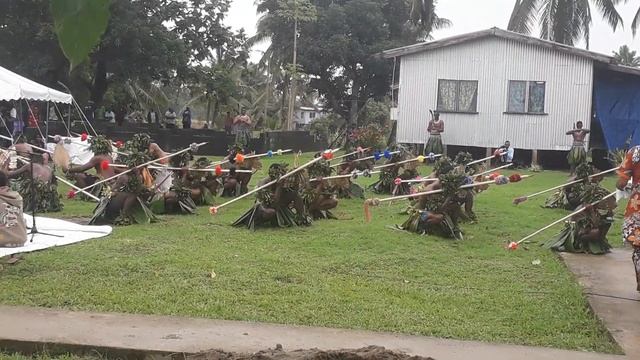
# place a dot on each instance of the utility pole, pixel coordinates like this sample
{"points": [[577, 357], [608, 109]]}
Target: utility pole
{"points": [[292, 90]]}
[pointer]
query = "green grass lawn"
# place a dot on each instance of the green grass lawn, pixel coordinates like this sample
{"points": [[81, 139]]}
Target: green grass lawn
{"points": [[342, 273]]}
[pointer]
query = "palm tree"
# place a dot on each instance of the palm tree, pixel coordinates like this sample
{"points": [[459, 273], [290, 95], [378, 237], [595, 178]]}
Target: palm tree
{"points": [[563, 21], [423, 15], [636, 22], [626, 57]]}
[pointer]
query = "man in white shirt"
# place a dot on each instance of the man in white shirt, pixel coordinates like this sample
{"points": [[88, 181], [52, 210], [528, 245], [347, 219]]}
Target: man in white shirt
{"points": [[508, 151]]}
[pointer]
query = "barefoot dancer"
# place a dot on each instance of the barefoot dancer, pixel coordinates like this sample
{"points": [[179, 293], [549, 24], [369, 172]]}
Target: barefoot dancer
{"points": [[578, 153], [435, 129], [101, 148]]}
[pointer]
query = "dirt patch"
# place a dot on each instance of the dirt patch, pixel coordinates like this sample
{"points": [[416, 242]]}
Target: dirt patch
{"points": [[367, 353]]}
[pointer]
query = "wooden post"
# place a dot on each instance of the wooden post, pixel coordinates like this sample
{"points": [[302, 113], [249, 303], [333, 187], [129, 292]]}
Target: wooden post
{"points": [[487, 154], [534, 157]]}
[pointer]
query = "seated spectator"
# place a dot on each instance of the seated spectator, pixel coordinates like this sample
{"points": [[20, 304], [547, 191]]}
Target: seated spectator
{"points": [[507, 151], [13, 231]]}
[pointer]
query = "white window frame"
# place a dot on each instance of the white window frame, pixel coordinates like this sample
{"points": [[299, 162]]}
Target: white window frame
{"points": [[526, 97]]}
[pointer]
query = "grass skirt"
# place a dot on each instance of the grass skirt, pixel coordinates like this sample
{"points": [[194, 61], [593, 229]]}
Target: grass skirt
{"points": [[577, 155], [285, 217], [186, 205], [103, 214], [434, 145], [417, 225], [567, 241]]}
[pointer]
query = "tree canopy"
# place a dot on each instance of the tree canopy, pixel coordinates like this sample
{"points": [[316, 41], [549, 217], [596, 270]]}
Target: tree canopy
{"points": [[340, 50], [627, 57], [563, 21]]}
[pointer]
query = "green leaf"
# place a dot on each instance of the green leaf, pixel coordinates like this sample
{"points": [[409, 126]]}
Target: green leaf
{"points": [[79, 24]]}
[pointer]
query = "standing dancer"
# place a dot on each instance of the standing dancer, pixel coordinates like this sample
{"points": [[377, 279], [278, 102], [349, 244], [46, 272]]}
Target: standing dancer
{"points": [[578, 153], [630, 170], [435, 129]]}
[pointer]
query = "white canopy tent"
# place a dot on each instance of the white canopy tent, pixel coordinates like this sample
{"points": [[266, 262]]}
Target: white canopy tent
{"points": [[16, 87]]}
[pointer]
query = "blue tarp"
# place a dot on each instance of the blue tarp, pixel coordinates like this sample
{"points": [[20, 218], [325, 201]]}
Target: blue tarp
{"points": [[616, 99]]}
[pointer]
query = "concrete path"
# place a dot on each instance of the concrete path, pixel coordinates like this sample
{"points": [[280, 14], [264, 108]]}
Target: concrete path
{"points": [[24, 328], [610, 284]]}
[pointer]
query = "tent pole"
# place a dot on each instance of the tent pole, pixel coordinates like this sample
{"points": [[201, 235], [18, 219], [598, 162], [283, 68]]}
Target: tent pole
{"points": [[69, 120], [6, 127], [62, 118], [84, 117], [46, 126]]}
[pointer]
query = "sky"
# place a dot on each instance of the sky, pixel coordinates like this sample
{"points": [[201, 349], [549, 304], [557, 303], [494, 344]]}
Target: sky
{"points": [[468, 16]]}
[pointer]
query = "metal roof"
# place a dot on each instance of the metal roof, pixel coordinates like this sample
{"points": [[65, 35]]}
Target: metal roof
{"points": [[609, 62]]}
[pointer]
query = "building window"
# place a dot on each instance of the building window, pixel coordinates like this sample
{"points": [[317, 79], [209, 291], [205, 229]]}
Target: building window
{"points": [[312, 115], [526, 97], [458, 96]]}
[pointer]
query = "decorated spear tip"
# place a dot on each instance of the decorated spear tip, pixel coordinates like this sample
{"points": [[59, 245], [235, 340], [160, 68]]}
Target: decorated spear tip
{"points": [[269, 153], [327, 155], [194, 147], [421, 158], [218, 170], [501, 180], [279, 152], [119, 144], [104, 165], [494, 175], [515, 177], [513, 246], [397, 181], [431, 156], [359, 149], [213, 210], [57, 139], [239, 158], [519, 200], [71, 194], [84, 136], [387, 154]]}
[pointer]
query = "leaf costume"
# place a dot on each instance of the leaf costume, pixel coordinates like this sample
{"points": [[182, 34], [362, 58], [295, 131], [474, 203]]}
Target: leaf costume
{"points": [[573, 237], [47, 198], [110, 209], [407, 171], [284, 215]]}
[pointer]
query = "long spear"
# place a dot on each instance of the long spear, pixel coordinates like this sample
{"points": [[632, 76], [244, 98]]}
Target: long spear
{"points": [[343, 176], [514, 245], [141, 166], [352, 153], [377, 202], [214, 209], [67, 183], [268, 153], [419, 159], [188, 169], [363, 159], [33, 146], [88, 145], [494, 169], [522, 199], [485, 159]]}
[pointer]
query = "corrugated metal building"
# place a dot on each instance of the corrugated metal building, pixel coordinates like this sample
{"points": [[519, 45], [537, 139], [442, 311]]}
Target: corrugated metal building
{"points": [[495, 85]]}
